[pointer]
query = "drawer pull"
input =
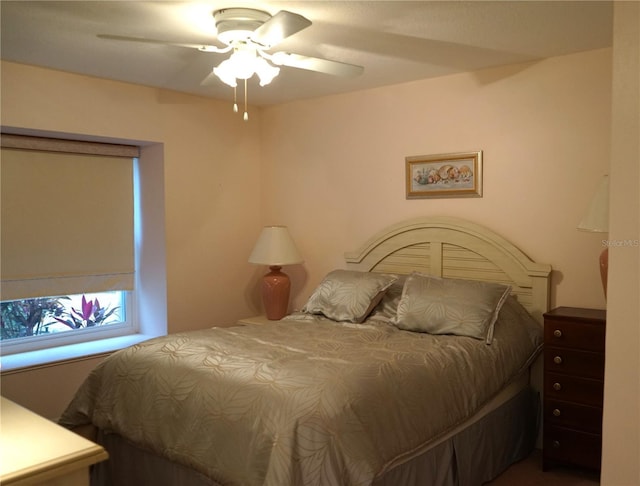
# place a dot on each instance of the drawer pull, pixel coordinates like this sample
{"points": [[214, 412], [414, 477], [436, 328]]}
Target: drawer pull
{"points": [[556, 444], [556, 412], [557, 333], [557, 360], [557, 386]]}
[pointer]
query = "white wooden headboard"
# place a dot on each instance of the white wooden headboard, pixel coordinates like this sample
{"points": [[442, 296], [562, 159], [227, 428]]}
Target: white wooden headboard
{"points": [[455, 248]]}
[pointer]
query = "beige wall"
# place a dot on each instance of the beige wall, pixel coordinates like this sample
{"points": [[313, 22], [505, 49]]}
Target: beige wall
{"points": [[334, 167], [621, 424]]}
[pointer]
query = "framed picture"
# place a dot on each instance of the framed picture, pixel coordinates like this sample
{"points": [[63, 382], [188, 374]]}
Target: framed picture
{"points": [[444, 175]]}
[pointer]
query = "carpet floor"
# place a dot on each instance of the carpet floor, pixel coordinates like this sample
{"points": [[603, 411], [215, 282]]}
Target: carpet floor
{"points": [[528, 472]]}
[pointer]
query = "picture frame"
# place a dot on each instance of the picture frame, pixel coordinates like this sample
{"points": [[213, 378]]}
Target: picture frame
{"points": [[444, 175]]}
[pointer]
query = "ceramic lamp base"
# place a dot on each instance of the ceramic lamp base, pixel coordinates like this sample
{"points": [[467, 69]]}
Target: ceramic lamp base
{"points": [[276, 287], [604, 269]]}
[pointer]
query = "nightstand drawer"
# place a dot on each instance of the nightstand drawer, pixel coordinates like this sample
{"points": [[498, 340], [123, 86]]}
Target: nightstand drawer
{"points": [[573, 416], [573, 362], [573, 389], [579, 448], [588, 337]]}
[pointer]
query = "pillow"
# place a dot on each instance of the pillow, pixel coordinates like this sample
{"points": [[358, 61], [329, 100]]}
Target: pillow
{"points": [[450, 306], [387, 308], [515, 319], [348, 295]]}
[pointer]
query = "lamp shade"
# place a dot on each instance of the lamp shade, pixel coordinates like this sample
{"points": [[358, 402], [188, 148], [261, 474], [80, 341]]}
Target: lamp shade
{"points": [[596, 218], [275, 247]]}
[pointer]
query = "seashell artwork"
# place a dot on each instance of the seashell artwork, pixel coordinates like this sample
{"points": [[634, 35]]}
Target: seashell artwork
{"points": [[452, 175]]}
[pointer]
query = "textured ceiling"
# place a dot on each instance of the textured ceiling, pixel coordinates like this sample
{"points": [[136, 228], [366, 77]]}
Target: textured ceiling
{"points": [[394, 41]]}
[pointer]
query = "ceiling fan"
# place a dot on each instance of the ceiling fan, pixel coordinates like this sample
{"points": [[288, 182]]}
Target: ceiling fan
{"points": [[249, 34]]}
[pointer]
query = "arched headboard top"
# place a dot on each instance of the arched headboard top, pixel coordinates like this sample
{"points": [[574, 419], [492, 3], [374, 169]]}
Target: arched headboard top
{"points": [[455, 248]]}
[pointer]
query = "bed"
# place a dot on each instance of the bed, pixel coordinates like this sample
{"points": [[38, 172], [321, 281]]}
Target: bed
{"points": [[409, 366]]}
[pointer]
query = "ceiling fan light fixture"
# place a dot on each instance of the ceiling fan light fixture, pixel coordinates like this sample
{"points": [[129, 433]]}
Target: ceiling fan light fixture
{"points": [[244, 63], [226, 73], [265, 71]]}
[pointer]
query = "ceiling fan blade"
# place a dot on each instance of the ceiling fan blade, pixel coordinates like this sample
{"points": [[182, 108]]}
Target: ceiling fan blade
{"points": [[200, 47], [279, 27], [325, 66], [210, 80]]}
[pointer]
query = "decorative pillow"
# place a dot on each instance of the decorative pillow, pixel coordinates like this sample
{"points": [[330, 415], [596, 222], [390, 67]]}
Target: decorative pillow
{"points": [[450, 306], [348, 295]]}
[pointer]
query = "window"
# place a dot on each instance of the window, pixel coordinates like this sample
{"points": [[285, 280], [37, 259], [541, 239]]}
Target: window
{"points": [[42, 322], [67, 249]]}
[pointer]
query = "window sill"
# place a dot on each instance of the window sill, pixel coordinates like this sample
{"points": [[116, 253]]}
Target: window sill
{"points": [[73, 352]]}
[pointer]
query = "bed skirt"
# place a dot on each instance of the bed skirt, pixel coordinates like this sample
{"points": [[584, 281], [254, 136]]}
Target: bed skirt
{"points": [[472, 456]]}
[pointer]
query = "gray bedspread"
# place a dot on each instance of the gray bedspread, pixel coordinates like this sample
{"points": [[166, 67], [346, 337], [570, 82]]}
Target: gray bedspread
{"points": [[301, 401]]}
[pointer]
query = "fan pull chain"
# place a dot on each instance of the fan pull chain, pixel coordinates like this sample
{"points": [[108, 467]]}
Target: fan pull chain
{"points": [[246, 115], [235, 103]]}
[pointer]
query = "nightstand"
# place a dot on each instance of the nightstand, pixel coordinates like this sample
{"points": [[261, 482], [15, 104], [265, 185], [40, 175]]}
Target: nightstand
{"points": [[261, 319], [574, 346]]}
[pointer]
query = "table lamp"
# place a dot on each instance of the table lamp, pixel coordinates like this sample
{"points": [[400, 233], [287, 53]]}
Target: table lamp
{"points": [[597, 220], [275, 248]]}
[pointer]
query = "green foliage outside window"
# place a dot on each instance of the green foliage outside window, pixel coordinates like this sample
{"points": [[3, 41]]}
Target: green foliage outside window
{"points": [[21, 318], [33, 317]]}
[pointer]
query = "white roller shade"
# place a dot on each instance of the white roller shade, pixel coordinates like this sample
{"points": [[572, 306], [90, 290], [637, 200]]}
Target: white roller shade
{"points": [[67, 223]]}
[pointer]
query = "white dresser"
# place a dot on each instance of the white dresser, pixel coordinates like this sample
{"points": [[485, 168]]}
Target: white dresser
{"points": [[36, 451]]}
